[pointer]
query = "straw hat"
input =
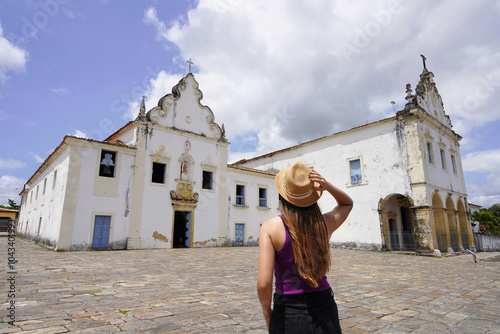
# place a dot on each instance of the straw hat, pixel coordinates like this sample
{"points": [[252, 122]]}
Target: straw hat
{"points": [[294, 185]]}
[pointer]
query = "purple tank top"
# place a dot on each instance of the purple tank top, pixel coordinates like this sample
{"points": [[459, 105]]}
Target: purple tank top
{"points": [[288, 280]]}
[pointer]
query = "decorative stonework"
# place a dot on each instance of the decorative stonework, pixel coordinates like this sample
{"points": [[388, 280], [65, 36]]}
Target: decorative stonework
{"points": [[178, 108], [184, 194], [160, 154], [208, 163], [428, 134], [427, 97]]}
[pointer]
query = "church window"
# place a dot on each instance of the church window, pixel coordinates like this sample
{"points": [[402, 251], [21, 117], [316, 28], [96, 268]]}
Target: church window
{"points": [[355, 171], [107, 164], [443, 158], [453, 164], [54, 179], [36, 195], [240, 195], [44, 186], [158, 174], [207, 180], [430, 154], [262, 198], [39, 226]]}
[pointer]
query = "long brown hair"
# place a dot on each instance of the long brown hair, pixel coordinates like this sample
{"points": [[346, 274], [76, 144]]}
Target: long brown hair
{"points": [[309, 240]]}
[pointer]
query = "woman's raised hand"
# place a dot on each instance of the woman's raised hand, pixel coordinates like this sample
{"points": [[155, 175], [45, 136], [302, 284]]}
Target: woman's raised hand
{"points": [[315, 177]]}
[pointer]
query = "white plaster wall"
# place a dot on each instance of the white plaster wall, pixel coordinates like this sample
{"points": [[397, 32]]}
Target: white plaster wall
{"points": [[88, 205], [250, 215], [128, 137], [48, 206], [436, 175], [383, 152], [157, 210]]}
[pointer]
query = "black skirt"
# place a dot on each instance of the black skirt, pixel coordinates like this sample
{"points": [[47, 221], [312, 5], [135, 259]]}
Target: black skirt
{"points": [[314, 312]]}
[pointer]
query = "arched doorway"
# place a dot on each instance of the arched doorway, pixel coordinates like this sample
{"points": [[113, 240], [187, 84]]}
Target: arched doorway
{"points": [[407, 228], [397, 223], [439, 223]]}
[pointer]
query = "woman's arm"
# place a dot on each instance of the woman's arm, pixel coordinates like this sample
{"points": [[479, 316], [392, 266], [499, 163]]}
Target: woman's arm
{"points": [[266, 268], [338, 215]]}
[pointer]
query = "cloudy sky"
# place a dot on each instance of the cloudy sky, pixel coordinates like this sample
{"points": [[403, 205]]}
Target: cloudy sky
{"points": [[276, 73]]}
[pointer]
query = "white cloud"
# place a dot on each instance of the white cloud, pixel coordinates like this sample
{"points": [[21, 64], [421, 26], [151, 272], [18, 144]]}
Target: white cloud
{"points": [[483, 192], [3, 115], [11, 164], [482, 161], [60, 90], [151, 18], [158, 87], [79, 134], [330, 65], [10, 187], [37, 158], [12, 58]]}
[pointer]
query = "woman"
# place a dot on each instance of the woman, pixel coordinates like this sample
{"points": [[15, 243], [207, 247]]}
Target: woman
{"points": [[295, 246]]}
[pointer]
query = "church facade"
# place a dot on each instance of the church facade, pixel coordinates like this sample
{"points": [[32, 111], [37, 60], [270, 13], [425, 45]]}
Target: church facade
{"points": [[163, 181]]}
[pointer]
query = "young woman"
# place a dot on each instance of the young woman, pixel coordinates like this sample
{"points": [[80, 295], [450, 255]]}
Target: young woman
{"points": [[295, 246]]}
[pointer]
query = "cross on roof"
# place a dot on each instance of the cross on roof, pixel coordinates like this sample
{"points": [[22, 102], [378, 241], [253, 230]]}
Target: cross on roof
{"points": [[190, 63], [423, 59]]}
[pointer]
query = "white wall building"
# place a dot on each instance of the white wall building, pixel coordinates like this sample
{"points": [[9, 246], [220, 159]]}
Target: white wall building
{"points": [[163, 181], [404, 174]]}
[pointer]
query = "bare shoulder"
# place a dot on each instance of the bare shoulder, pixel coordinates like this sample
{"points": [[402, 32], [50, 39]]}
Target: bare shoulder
{"points": [[271, 225], [273, 228]]}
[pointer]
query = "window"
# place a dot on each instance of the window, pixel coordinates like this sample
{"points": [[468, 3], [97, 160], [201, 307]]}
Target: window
{"points": [[355, 171], [36, 196], [107, 164], [207, 180], [54, 179], [262, 197], [443, 158], [240, 195], [158, 173], [44, 186], [39, 226], [430, 155], [453, 164]]}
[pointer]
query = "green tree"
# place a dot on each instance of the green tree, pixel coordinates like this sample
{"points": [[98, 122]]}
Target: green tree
{"points": [[12, 205], [489, 219]]}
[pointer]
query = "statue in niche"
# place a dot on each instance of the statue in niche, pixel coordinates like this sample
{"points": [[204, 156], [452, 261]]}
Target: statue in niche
{"points": [[184, 170]]}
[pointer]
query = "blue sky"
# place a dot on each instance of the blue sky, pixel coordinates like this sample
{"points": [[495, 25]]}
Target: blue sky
{"points": [[275, 73]]}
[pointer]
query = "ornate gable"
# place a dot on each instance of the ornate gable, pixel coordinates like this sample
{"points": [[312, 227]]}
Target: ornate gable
{"points": [[182, 110], [427, 97]]}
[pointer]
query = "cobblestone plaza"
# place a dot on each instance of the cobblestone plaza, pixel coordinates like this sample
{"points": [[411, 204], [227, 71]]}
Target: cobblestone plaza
{"points": [[213, 290]]}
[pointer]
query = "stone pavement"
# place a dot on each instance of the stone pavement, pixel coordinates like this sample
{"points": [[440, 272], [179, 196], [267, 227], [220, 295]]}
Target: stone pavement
{"points": [[212, 290]]}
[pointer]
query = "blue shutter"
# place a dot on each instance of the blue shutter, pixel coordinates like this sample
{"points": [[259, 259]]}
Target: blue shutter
{"points": [[239, 234], [101, 231]]}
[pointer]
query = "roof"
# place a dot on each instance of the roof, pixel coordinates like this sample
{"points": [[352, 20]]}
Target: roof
{"points": [[251, 170], [120, 131], [8, 210], [242, 161], [59, 149]]}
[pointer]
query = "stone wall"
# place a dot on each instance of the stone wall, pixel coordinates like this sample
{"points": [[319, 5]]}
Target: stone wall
{"points": [[486, 242]]}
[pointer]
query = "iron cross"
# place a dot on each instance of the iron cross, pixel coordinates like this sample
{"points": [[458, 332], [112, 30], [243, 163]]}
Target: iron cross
{"points": [[190, 63], [423, 59]]}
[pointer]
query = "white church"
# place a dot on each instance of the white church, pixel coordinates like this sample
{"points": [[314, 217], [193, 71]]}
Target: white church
{"points": [[163, 181]]}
